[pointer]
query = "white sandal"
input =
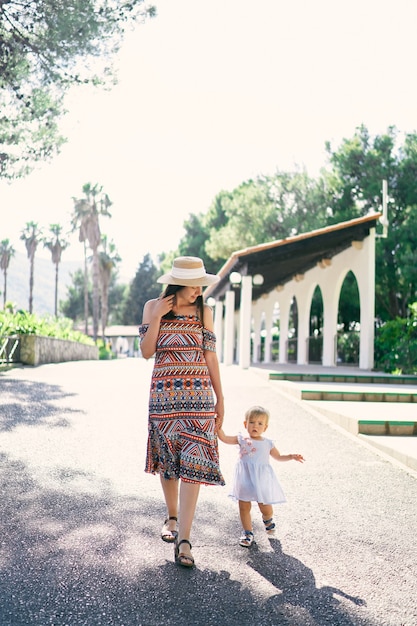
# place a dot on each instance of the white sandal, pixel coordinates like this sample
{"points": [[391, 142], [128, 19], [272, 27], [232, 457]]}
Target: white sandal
{"points": [[246, 539], [167, 535]]}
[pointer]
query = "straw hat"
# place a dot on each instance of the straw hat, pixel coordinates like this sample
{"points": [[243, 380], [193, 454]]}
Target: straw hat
{"points": [[188, 271]]}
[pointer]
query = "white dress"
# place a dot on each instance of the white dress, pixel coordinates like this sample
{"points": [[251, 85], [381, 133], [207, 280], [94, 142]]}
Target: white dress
{"points": [[254, 479]]}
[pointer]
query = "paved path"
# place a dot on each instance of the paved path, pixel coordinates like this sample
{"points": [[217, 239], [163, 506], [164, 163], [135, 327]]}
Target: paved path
{"points": [[80, 520]]}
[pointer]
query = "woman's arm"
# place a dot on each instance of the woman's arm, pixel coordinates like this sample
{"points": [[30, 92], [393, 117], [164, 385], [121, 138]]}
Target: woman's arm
{"points": [[286, 457], [153, 311], [214, 369], [232, 439]]}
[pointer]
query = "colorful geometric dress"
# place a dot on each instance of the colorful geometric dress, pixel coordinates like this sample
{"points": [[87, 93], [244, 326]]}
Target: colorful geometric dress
{"points": [[181, 439], [254, 479]]}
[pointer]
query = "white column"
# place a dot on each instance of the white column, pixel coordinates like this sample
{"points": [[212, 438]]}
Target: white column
{"points": [[366, 285], [303, 303], [245, 321], [268, 336], [218, 328], [284, 316], [330, 309], [229, 328]]}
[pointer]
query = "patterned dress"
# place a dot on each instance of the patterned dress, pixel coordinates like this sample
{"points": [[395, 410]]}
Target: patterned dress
{"points": [[181, 439]]}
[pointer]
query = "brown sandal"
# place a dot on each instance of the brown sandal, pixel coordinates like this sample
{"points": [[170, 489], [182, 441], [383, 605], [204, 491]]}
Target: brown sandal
{"points": [[186, 560], [169, 536]]}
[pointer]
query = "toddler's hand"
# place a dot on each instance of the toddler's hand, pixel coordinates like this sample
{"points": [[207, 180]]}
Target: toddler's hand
{"points": [[298, 457]]}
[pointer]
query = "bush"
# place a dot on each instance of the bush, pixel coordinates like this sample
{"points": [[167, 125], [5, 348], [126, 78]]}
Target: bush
{"points": [[396, 344], [24, 323], [105, 352]]}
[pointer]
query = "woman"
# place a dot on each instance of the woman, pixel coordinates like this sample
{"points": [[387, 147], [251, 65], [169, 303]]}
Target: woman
{"points": [[182, 448]]}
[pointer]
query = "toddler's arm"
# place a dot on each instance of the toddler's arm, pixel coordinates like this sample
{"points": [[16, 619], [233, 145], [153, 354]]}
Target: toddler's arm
{"points": [[232, 439], [286, 457]]}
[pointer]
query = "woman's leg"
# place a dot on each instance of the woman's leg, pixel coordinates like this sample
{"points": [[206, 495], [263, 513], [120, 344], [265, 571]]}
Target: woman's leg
{"points": [[188, 502], [170, 490]]}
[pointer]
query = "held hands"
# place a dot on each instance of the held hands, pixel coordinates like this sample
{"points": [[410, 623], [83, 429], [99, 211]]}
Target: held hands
{"points": [[219, 410]]}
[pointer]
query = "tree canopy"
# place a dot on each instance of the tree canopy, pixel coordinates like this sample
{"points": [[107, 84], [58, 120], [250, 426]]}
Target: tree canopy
{"points": [[45, 47]]}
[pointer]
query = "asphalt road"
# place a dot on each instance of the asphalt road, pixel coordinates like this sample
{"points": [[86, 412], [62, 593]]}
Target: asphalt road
{"points": [[80, 520]]}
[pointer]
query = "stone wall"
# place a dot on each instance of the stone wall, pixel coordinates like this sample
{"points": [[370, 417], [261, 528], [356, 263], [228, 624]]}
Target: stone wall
{"points": [[36, 350]]}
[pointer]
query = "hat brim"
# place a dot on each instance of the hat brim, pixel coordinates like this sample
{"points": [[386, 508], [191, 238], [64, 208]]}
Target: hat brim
{"points": [[204, 281]]}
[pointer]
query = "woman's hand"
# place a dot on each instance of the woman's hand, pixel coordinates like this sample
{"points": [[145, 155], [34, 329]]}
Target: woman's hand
{"points": [[219, 410], [162, 306]]}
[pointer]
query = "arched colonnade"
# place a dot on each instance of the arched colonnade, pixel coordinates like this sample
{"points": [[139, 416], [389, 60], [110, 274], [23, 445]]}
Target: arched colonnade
{"points": [[241, 318]]}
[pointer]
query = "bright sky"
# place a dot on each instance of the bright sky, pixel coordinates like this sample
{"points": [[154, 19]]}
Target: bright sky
{"points": [[211, 94]]}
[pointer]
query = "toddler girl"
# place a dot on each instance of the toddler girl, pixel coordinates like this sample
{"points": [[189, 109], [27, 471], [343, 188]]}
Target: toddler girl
{"points": [[254, 478]]}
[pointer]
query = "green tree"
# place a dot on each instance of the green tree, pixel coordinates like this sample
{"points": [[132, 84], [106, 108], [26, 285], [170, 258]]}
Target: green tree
{"points": [[108, 260], [358, 168], [6, 253], [46, 47], [56, 244], [74, 305], [32, 236], [87, 212], [143, 287], [266, 209]]}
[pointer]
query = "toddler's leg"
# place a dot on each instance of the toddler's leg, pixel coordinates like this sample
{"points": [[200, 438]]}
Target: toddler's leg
{"points": [[267, 516], [246, 539]]}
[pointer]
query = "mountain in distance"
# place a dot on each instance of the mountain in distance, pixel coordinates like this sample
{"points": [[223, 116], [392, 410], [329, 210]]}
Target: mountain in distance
{"points": [[43, 283]]}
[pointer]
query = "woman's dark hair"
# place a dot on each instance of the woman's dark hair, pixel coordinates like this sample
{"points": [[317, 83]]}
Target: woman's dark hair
{"points": [[172, 290]]}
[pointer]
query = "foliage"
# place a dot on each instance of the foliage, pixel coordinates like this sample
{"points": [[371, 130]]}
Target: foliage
{"points": [[396, 344], [348, 347], [86, 219], [143, 287], [7, 252], [46, 47], [275, 207], [56, 244], [31, 235], [108, 260], [25, 323], [349, 306], [194, 244], [105, 353], [73, 306], [359, 166]]}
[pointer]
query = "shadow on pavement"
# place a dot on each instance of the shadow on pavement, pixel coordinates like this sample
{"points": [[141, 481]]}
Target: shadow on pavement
{"points": [[30, 404], [298, 593], [71, 558]]}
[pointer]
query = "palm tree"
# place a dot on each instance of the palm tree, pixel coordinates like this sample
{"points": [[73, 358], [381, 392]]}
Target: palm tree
{"points": [[108, 257], [31, 235], [6, 253], [86, 215], [56, 244]]}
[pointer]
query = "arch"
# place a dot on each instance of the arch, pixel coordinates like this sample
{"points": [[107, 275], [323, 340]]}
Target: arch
{"points": [[348, 321], [315, 337], [293, 331]]}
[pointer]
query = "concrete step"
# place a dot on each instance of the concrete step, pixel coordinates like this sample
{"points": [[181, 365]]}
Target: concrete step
{"points": [[350, 392], [364, 395], [371, 418], [335, 377]]}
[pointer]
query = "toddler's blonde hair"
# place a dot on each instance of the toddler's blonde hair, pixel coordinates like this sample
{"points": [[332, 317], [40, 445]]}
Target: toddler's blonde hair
{"points": [[257, 411]]}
